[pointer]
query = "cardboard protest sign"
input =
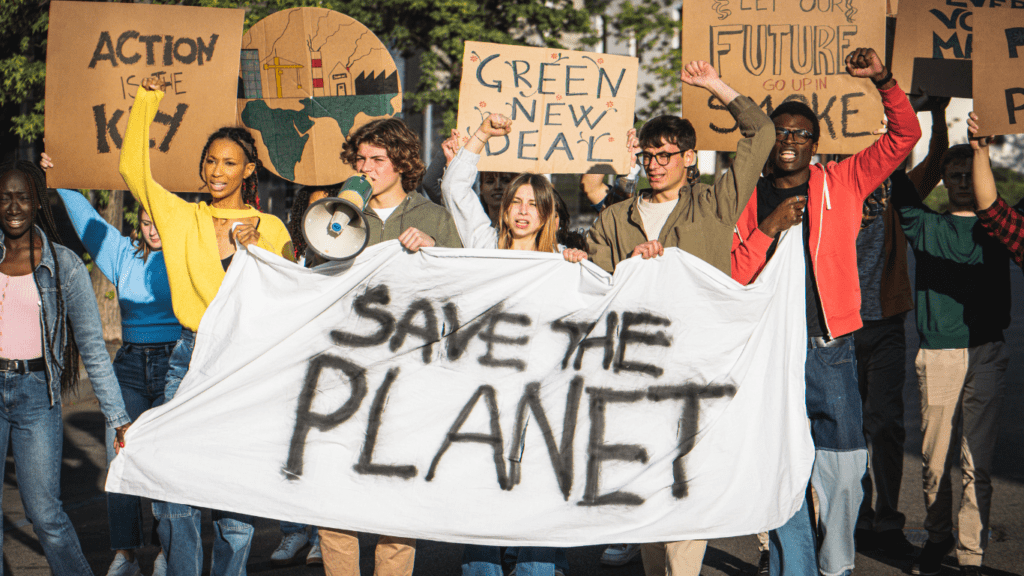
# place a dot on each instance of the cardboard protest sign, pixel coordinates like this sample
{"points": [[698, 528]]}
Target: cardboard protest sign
{"points": [[570, 110], [98, 52], [999, 71], [491, 397], [945, 29], [759, 50], [311, 76]]}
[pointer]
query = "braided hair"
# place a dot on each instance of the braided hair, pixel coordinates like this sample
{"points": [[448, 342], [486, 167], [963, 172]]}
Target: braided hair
{"points": [[245, 141], [44, 219]]}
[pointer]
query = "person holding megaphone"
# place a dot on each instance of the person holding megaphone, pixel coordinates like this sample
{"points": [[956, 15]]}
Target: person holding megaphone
{"points": [[387, 153]]}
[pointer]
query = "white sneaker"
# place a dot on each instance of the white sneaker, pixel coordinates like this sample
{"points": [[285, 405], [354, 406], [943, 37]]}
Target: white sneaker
{"points": [[160, 564], [122, 567], [288, 550], [314, 556], [619, 554]]}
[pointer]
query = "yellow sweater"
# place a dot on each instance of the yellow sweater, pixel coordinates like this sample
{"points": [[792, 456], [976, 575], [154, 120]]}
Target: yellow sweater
{"points": [[186, 229]]}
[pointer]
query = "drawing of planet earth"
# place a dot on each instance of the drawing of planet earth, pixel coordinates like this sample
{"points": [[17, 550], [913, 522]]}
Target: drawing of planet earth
{"points": [[308, 77]]}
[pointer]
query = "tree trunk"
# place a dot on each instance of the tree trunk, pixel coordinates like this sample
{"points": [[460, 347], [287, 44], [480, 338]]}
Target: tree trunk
{"points": [[106, 294]]}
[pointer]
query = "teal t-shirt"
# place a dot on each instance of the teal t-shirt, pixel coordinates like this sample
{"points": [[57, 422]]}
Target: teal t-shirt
{"points": [[963, 275]]}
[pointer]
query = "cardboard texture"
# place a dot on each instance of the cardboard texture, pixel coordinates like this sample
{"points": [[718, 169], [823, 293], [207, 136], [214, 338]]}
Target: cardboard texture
{"points": [[778, 50], [999, 69], [310, 76], [98, 52], [943, 29], [570, 110]]}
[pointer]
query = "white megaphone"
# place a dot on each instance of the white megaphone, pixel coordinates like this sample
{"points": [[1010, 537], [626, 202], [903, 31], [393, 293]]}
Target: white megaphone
{"points": [[334, 227]]}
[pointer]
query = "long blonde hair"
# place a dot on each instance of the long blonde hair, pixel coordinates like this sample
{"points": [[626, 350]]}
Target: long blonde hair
{"points": [[544, 197]]}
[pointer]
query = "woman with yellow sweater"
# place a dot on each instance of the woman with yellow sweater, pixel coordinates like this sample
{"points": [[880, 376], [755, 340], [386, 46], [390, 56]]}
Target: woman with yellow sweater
{"points": [[198, 244]]}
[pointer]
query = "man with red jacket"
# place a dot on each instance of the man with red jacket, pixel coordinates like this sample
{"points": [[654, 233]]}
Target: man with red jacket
{"points": [[834, 197]]}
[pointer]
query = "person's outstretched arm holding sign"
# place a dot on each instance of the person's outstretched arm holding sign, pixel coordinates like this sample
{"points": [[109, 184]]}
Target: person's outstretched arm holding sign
{"points": [[678, 210], [997, 217]]}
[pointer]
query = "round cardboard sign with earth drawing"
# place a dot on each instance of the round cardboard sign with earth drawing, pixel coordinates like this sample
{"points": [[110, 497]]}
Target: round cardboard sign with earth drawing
{"points": [[308, 77]]}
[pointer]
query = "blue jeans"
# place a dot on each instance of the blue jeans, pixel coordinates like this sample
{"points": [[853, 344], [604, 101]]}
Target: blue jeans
{"points": [[840, 461], [142, 372], [178, 524], [36, 433], [530, 561]]}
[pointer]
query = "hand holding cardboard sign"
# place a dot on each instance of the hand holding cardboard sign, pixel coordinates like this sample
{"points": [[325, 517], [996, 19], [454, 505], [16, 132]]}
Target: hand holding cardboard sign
{"points": [[865, 63], [451, 147], [977, 142], [154, 84], [45, 162], [633, 143], [703, 75]]}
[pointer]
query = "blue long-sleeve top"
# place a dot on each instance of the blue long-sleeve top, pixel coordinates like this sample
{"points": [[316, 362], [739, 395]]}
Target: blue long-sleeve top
{"points": [[143, 291]]}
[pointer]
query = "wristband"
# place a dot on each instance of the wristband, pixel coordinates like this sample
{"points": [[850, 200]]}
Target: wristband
{"points": [[884, 80], [482, 141]]}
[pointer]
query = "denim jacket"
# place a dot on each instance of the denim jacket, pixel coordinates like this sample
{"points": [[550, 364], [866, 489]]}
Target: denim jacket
{"points": [[84, 315]]}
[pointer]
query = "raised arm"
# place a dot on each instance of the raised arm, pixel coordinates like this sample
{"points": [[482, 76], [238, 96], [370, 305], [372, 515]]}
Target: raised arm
{"points": [[462, 202], [995, 215], [598, 193], [928, 173], [135, 162], [985, 193], [866, 170], [103, 241]]}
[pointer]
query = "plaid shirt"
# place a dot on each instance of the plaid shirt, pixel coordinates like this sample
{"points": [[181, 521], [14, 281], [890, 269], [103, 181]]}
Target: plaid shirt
{"points": [[1006, 225]]}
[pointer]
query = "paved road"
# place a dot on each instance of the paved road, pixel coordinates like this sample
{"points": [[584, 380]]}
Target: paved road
{"points": [[83, 474]]}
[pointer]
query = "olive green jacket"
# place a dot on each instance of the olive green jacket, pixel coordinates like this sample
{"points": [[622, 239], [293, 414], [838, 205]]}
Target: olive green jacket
{"points": [[414, 212], [703, 219]]}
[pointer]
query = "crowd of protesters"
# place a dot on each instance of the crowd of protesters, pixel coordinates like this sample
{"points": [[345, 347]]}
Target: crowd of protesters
{"points": [[858, 216]]}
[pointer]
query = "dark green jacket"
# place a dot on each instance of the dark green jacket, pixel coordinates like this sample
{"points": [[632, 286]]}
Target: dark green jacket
{"points": [[414, 212]]}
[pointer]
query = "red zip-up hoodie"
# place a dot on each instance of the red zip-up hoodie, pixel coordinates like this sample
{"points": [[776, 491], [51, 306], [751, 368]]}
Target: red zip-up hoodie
{"points": [[835, 199]]}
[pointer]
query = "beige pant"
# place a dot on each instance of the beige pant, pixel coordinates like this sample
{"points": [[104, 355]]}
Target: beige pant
{"points": [[961, 391], [673, 558], [394, 556]]}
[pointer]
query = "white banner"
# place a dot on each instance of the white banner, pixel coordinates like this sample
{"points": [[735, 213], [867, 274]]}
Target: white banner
{"points": [[491, 397]]}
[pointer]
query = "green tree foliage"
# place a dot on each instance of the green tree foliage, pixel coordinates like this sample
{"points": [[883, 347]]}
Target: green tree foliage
{"points": [[23, 25], [656, 33]]}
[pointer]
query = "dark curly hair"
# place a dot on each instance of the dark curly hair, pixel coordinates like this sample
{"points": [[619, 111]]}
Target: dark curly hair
{"points": [[299, 206], [44, 219], [402, 144], [245, 141]]}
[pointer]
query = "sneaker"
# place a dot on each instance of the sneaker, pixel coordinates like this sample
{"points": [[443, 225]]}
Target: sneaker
{"points": [[894, 543], [929, 561], [160, 565], [762, 564], [619, 554], [288, 550], [314, 556], [122, 567], [970, 571]]}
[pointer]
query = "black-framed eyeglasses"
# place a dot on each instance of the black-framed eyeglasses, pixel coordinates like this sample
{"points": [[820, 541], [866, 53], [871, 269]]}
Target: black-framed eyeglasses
{"points": [[662, 157], [800, 136]]}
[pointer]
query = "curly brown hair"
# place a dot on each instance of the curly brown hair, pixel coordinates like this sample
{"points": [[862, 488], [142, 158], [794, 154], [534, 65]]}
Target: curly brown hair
{"points": [[402, 144]]}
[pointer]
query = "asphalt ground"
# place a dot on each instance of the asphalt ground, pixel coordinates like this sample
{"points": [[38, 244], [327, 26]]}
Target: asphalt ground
{"points": [[83, 473]]}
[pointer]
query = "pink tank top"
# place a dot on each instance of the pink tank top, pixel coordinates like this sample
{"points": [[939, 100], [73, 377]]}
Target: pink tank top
{"points": [[20, 331]]}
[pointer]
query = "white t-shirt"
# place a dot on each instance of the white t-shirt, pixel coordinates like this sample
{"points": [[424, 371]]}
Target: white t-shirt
{"points": [[384, 213], [654, 215]]}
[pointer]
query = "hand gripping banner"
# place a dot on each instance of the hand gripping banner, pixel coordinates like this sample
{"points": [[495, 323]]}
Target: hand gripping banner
{"points": [[491, 397]]}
